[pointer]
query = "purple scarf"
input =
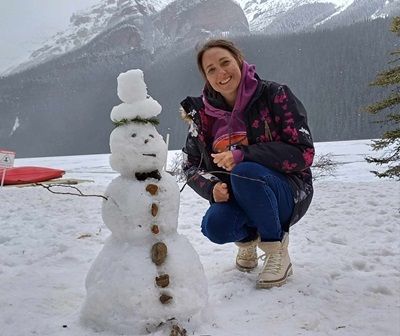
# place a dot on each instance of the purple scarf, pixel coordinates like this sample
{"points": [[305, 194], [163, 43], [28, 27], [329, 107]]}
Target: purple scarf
{"points": [[229, 126]]}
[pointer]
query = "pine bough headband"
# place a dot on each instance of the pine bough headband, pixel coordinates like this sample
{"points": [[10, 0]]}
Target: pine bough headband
{"points": [[153, 120]]}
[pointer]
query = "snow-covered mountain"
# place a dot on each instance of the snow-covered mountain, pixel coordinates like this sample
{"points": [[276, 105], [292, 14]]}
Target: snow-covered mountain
{"points": [[153, 21], [87, 24], [283, 16], [263, 16]]}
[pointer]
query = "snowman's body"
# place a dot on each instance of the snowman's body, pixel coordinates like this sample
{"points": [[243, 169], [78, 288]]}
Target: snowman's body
{"points": [[124, 292], [125, 262], [128, 201]]}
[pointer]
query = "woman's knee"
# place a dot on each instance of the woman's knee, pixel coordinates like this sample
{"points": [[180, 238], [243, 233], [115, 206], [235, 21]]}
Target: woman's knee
{"points": [[244, 173], [250, 170], [213, 229], [254, 171], [245, 168]]}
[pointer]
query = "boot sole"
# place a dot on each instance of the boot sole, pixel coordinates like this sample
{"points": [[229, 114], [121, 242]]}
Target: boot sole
{"points": [[276, 283], [245, 269]]}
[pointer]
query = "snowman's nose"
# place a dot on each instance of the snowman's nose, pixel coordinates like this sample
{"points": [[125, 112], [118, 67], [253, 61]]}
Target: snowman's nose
{"points": [[146, 141]]}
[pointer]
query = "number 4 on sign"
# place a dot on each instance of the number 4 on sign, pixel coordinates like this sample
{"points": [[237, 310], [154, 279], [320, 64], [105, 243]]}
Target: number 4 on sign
{"points": [[6, 161]]}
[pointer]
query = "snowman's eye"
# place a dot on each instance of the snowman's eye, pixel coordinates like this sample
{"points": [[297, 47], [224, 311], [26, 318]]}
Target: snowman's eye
{"points": [[133, 135], [151, 135]]}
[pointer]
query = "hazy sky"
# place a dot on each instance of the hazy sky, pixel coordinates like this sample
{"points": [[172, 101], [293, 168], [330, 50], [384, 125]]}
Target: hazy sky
{"points": [[26, 24]]}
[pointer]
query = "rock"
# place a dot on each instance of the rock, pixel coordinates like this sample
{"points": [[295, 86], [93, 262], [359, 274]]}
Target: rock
{"points": [[165, 298], [162, 280], [158, 253], [152, 189], [155, 229], [154, 210], [177, 331]]}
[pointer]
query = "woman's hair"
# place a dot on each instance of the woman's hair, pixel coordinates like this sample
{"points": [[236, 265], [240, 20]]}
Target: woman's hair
{"points": [[219, 43]]}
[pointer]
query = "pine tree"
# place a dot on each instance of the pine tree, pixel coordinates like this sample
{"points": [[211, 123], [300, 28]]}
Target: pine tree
{"points": [[390, 141]]}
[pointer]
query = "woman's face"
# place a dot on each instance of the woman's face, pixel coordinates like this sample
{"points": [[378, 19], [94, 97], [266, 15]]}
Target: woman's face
{"points": [[222, 72]]}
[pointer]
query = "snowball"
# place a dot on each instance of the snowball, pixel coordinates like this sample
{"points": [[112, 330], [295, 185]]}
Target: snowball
{"points": [[122, 296], [145, 109], [137, 147], [131, 86], [127, 210]]}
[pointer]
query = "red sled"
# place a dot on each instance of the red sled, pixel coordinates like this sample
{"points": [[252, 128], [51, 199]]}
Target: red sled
{"points": [[23, 175]]}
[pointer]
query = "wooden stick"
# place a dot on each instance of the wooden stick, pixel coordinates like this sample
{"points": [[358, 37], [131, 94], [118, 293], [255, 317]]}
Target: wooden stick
{"points": [[3, 178]]}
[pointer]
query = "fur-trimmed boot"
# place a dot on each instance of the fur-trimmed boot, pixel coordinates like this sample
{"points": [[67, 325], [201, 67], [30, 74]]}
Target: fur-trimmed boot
{"points": [[277, 266], [246, 258]]}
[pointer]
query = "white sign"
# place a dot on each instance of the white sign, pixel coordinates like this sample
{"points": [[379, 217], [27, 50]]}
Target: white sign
{"points": [[6, 159]]}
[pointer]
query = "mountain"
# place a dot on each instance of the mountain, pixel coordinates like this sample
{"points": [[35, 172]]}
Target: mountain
{"points": [[86, 25], [362, 10], [263, 16], [285, 16], [182, 23], [157, 24]]}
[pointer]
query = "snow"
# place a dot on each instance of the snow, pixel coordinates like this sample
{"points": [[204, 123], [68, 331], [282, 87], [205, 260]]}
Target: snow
{"points": [[16, 125], [131, 86], [141, 153], [342, 7], [345, 255], [125, 110]]}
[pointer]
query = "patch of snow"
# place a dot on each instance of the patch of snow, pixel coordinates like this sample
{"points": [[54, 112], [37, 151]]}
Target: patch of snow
{"points": [[16, 125], [341, 7]]}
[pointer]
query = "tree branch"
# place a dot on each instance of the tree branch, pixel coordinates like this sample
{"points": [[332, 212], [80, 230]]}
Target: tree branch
{"points": [[49, 186]]}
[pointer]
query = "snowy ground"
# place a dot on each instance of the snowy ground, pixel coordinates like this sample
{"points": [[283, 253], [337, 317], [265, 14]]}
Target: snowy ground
{"points": [[345, 254]]}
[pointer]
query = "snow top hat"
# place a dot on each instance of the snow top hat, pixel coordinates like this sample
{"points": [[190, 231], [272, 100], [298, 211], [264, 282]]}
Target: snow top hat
{"points": [[136, 146], [137, 104]]}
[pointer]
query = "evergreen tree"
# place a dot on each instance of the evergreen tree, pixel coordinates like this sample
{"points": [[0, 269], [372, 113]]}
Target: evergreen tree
{"points": [[390, 140]]}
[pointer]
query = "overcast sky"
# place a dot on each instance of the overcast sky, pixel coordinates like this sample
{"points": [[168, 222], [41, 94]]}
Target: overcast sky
{"points": [[26, 24]]}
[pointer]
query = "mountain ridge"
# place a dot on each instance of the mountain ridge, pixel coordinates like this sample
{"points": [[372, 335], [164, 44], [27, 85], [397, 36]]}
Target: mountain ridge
{"points": [[267, 17]]}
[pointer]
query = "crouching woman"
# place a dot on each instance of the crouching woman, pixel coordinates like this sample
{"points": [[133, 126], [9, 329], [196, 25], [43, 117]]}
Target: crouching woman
{"points": [[248, 151]]}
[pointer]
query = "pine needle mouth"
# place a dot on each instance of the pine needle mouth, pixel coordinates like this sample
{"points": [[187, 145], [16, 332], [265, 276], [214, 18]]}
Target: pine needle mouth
{"points": [[153, 155]]}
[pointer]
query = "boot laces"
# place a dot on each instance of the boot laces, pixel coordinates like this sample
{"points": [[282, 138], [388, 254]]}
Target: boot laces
{"points": [[272, 262], [247, 253]]}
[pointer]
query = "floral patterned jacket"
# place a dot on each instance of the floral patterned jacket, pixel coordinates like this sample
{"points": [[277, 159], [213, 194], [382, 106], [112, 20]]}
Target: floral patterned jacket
{"points": [[279, 138]]}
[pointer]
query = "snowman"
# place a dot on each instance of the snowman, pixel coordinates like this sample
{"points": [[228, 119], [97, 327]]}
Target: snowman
{"points": [[147, 276]]}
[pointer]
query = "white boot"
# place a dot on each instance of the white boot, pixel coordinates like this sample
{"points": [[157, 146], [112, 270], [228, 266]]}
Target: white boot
{"points": [[277, 266], [246, 259]]}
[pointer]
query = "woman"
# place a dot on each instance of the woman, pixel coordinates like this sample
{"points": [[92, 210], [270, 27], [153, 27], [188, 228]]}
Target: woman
{"points": [[249, 152]]}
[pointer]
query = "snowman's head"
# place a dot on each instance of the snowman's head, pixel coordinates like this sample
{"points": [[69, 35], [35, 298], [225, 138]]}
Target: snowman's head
{"points": [[137, 148]]}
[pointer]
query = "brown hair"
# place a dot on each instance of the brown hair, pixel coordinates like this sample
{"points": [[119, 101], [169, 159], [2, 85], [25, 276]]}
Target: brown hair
{"points": [[219, 43]]}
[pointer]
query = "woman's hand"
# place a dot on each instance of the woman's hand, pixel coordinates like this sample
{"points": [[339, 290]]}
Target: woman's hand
{"points": [[224, 160], [220, 192]]}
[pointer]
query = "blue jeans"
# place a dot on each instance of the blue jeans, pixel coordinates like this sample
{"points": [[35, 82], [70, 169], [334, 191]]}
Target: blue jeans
{"points": [[255, 208]]}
